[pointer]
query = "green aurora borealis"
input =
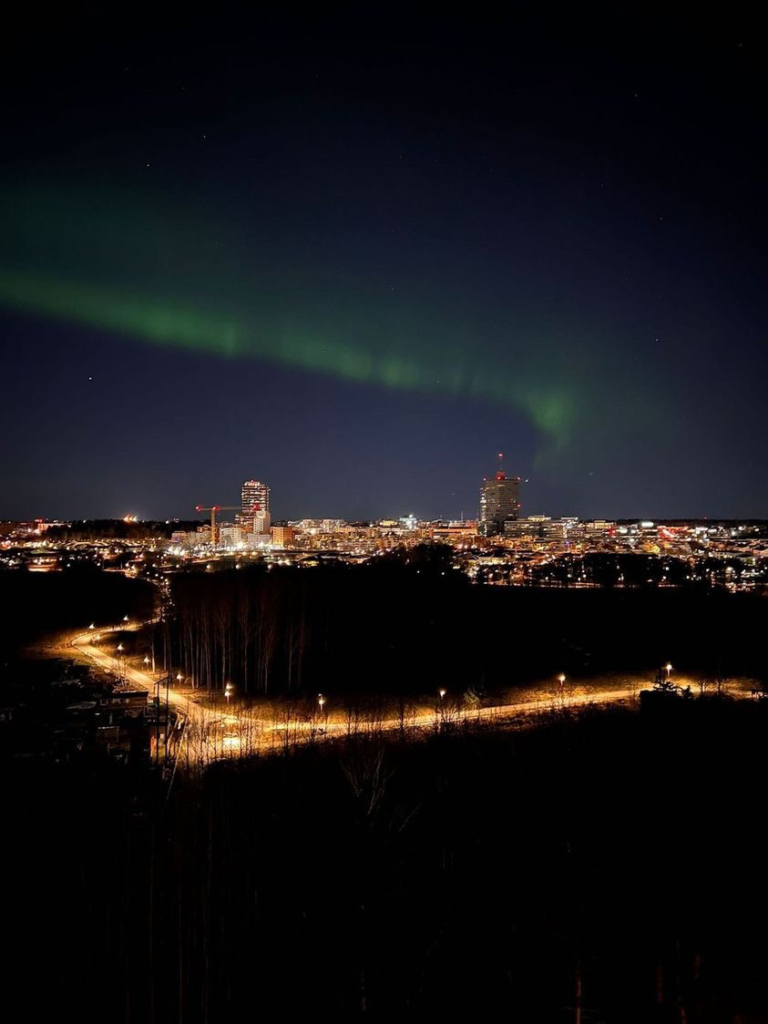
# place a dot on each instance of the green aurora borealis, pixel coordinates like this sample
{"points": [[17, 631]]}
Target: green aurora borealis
{"points": [[195, 329], [114, 264]]}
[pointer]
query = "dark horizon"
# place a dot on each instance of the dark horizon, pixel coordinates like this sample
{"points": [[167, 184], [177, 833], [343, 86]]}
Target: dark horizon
{"points": [[355, 262]]}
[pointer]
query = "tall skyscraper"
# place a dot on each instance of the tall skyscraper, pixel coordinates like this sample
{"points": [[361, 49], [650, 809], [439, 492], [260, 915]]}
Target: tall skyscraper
{"points": [[254, 503], [499, 500]]}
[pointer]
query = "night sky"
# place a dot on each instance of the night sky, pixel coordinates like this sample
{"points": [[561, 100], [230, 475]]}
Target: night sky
{"points": [[356, 259]]}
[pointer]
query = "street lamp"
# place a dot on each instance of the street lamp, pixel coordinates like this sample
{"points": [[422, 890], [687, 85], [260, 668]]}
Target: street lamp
{"points": [[440, 706], [320, 701], [668, 669], [561, 692], [92, 626], [228, 689], [125, 618]]}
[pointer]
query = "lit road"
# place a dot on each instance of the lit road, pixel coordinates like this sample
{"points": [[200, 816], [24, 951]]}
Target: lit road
{"points": [[88, 644], [211, 734], [498, 713]]}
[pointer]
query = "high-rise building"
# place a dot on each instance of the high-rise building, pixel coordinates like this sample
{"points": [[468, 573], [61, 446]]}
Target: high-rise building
{"points": [[254, 503], [499, 500]]}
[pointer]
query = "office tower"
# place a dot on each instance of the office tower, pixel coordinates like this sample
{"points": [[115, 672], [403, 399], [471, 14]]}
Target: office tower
{"points": [[254, 503], [499, 500]]}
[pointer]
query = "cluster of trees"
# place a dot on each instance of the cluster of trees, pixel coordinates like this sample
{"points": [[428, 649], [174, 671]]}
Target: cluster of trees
{"points": [[411, 623], [90, 530], [393, 625], [602, 869]]}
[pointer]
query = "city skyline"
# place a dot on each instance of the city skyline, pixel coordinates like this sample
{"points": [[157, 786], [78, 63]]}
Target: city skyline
{"points": [[237, 513]]}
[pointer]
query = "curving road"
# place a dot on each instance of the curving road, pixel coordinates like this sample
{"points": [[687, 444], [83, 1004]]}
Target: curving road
{"points": [[211, 734], [87, 644]]}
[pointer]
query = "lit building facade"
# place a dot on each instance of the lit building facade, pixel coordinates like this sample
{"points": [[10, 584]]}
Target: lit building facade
{"points": [[230, 536], [499, 501], [283, 536], [254, 516]]}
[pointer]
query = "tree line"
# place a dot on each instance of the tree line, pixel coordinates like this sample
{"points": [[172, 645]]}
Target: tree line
{"points": [[412, 623], [271, 630], [90, 530]]}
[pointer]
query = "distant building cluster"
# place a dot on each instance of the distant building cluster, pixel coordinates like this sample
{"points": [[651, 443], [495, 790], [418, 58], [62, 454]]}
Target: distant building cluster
{"points": [[250, 530], [500, 547]]}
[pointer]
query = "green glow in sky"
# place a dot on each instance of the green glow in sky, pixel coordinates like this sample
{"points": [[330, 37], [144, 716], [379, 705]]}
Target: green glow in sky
{"points": [[167, 278], [196, 329]]}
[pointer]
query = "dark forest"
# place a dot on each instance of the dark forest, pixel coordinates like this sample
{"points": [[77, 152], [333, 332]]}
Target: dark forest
{"points": [[611, 862], [397, 626]]}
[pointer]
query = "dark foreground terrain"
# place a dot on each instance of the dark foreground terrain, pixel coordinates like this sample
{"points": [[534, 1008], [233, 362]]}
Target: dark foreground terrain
{"points": [[614, 862], [36, 605], [609, 865]]}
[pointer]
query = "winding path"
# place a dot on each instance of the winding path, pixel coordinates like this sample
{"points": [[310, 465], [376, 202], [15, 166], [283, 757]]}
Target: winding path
{"points": [[211, 734]]}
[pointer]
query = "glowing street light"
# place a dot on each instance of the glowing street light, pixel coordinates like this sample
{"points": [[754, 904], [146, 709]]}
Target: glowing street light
{"points": [[125, 618], [668, 669], [121, 662], [179, 677], [92, 626], [321, 701], [228, 691], [442, 693], [561, 678]]}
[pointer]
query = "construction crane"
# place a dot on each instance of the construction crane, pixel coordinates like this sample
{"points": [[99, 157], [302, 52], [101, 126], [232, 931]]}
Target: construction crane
{"points": [[213, 509]]}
